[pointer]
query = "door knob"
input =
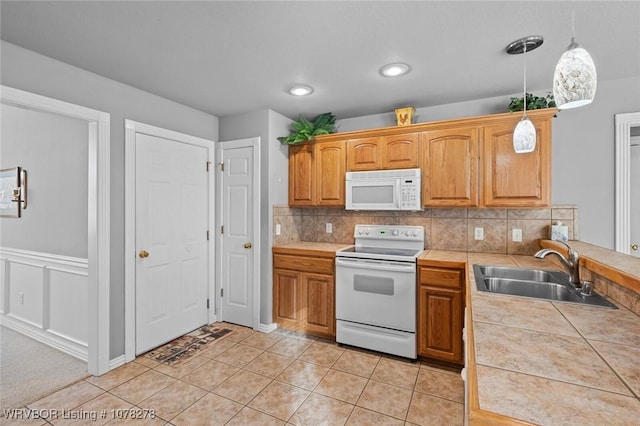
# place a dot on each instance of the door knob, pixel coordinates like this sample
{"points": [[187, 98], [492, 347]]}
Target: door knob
{"points": [[143, 254], [247, 245], [634, 247]]}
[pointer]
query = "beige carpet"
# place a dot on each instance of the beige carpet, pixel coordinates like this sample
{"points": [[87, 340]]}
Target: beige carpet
{"points": [[30, 370]]}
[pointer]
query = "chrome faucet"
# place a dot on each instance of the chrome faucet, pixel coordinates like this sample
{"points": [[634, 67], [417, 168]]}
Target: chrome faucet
{"points": [[570, 263]]}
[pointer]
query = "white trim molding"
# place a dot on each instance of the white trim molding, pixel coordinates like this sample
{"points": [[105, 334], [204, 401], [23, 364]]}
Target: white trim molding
{"points": [[44, 296], [131, 129], [99, 209], [623, 125]]}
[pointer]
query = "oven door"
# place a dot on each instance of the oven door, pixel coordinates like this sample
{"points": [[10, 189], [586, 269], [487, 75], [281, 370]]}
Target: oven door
{"points": [[376, 292]]}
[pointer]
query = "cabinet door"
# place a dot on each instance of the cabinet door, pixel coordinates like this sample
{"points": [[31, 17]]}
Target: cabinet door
{"points": [[512, 179], [330, 168], [319, 300], [450, 167], [440, 325], [364, 154], [302, 175], [287, 298], [401, 151]]}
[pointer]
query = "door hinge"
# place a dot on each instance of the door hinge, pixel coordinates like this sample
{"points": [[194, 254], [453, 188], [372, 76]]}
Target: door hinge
{"points": [[222, 230], [208, 164], [207, 303], [222, 292], [221, 166]]}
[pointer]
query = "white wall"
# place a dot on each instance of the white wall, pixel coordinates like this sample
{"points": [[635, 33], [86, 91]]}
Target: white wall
{"points": [[583, 164], [54, 151], [32, 72]]}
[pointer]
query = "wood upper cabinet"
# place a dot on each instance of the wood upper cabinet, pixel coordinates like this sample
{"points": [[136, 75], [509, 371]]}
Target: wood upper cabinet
{"points": [[316, 174], [304, 294], [440, 313], [401, 151], [302, 190], [364, 154], [510, 179], [384, 152], [450, 167], [330, 169]]}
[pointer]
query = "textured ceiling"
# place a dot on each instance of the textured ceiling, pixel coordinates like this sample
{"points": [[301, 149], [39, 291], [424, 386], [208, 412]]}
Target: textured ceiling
{"points": [[227, 58]]}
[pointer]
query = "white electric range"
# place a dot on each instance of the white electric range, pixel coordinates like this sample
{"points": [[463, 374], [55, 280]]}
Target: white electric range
{"points": [[376, 289]]}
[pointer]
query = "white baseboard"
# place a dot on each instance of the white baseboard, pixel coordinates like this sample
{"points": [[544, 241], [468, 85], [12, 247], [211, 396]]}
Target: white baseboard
{"points": [[267, 328], [48, 338], [116, 362]]}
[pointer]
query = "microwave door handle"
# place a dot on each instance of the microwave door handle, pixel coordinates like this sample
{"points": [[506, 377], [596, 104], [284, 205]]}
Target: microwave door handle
{"points": [[398, 195]]}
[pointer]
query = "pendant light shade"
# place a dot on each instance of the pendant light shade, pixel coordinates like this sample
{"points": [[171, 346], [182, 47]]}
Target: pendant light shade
{"points": [[575, 78], [524, 135]]}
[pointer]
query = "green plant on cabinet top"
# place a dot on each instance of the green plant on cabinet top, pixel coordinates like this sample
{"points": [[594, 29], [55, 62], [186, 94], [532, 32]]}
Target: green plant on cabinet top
{"points": [[305, 130]]}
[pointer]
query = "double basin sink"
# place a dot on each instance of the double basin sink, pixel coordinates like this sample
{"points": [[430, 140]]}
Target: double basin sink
{"points": [[536, 283]]}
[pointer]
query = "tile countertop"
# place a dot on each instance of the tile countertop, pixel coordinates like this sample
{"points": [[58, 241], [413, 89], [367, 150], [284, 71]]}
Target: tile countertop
{"points": [[540, 362], [310, 248]]}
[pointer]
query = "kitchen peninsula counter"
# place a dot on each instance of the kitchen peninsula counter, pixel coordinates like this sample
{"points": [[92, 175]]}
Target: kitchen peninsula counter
{"points": [[534, 361]]}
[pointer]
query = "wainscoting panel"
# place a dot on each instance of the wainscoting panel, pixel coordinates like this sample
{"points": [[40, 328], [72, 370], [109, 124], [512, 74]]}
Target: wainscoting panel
{"points": [[45, 296], [26, 282]]}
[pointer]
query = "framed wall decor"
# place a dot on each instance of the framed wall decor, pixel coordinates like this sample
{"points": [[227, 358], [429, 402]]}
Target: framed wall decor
{"points": [[13, 192]]}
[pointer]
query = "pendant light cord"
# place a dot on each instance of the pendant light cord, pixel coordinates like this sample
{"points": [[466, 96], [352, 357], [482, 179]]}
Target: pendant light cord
{"points": [[573, 20], [525, 80]]}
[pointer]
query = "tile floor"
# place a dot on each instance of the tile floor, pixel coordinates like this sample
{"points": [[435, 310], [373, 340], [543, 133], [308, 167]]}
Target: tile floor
{"points": [[251, 378]]}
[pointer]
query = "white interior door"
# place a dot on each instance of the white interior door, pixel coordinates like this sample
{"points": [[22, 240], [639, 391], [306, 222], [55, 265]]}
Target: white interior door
{"points": [[238, 234], [172, 199], [634, 171]]}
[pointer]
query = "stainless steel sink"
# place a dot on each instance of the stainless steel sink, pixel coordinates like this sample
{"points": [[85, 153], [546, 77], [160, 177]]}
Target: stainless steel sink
{"points": [[524, 274], [536, 283]]}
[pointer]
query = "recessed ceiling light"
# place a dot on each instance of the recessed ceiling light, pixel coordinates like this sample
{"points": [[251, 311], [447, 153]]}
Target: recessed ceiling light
{"points": [[394, 70], [300, 90]]}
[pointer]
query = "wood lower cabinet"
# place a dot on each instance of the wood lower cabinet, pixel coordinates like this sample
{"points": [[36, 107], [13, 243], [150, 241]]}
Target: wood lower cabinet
{"points": [[316, 174], [450, 167], [304, 294], [440, 313]]}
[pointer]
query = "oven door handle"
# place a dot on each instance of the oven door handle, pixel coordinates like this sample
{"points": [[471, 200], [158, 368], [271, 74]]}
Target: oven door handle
{"points": [[376, 265]]}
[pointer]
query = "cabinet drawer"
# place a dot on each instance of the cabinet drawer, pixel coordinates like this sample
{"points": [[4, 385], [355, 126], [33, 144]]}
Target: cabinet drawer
{"points": [[302, 263], [440, 277]]}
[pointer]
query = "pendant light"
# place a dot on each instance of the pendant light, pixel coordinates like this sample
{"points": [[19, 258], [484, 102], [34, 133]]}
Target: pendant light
{"points": [[524, 135], [575, 78]]}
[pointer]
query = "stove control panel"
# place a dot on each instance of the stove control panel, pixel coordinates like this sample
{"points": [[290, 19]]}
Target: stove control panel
{"points": [[391, 232]]}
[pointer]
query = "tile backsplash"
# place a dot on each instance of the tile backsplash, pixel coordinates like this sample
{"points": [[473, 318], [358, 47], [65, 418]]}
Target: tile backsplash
{"points": [[445, 229]]}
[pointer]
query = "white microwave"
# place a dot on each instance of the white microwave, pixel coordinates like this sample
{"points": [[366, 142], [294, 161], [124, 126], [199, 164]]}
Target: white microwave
{"points": [[384, 190]]}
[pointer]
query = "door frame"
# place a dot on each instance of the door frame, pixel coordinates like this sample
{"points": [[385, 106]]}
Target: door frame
{"points": [[99, 220], [623, 125], [131, 128], [238, 143]]}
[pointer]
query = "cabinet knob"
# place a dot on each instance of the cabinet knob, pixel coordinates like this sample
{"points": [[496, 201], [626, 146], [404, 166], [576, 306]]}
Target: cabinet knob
{"points": [[143, 254], [634, 247]]}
